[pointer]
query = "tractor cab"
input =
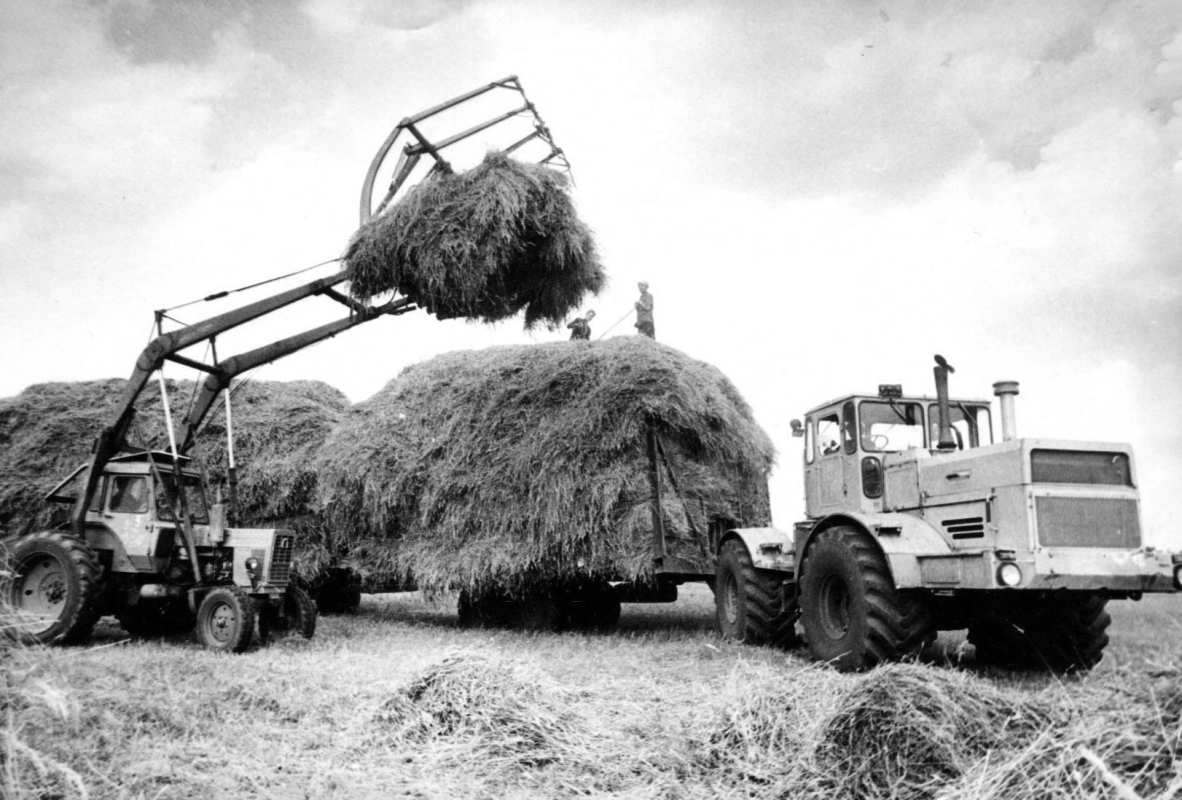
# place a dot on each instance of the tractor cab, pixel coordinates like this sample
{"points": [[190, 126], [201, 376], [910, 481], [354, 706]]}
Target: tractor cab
{"points": [[849, 440]]}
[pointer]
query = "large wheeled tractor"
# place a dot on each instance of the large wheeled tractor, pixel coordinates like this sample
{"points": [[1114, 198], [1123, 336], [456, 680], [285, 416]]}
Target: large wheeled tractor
{"points": [[918, 522]]}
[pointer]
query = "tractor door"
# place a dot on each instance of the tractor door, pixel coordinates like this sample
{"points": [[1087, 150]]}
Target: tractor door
{"points": [[826, 467], [127, 516]]}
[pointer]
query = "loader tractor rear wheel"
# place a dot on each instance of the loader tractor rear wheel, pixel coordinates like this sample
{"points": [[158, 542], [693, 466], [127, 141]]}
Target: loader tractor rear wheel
{"points": [[749, 603], [296, 612], [225, 619], [52, 581], [853, 616], [1063, 633]]}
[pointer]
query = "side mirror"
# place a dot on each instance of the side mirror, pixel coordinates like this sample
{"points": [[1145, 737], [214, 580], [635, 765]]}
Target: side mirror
{"points": [[797, 428]]}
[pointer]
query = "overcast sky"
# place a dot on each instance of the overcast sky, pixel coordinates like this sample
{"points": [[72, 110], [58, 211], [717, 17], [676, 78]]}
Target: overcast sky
{"points": [[822, 195]]}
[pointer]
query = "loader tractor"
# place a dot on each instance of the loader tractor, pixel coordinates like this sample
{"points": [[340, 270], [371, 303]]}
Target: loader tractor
{"points": [[144, 542], [917, 522]]}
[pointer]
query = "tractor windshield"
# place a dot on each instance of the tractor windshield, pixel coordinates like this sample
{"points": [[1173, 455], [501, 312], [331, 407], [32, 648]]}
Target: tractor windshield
{"points": [[194, 497], [888, 426]]}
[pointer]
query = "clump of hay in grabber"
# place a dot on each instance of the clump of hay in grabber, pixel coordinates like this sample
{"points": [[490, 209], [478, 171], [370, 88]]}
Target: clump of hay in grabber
{"points": [[483, 244], [48, 429], [525, 467]]}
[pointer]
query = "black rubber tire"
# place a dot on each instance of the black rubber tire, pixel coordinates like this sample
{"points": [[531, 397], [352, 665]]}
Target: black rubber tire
{"points": [[57, 579], [494, 610], [595, 608], [296, 613], [339, 592], [1063, 633], [150, 620], [853, 616], [749, 603], [226, 619]]}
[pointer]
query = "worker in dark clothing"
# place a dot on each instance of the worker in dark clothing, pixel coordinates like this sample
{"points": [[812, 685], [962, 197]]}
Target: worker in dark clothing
{"points": [[644, 312], [581, 327]]}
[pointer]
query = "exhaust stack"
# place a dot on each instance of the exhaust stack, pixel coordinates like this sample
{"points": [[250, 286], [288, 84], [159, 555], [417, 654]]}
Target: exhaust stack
{"points": [[1007, 390], [945, 439]]}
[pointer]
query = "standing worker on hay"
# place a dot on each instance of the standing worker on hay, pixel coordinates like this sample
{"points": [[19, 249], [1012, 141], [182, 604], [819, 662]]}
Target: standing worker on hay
{"points": [[644, 312], [581, 327]]}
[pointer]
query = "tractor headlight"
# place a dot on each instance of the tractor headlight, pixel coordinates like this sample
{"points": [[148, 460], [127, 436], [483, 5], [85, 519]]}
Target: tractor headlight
{"points": [[1009, 574], [252, 567]]}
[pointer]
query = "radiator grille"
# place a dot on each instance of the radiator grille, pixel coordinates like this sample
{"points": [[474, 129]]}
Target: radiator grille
{"points": [[281, 555], [1088, 522]]}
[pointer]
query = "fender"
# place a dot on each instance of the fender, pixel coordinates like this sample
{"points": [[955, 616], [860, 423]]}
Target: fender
{"points": [[769, 548], [902, 538]]}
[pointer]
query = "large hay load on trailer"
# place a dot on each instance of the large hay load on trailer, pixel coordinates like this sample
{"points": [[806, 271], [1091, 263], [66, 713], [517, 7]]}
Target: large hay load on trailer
{"points": [[526, 468], [46, 432]]}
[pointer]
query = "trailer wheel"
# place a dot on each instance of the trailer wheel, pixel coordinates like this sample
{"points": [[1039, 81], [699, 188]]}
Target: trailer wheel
{"points": [[53, 585], [749, 602], [494, 609], [225, 619], [1062, 633], [853, 616], [595, 608]]}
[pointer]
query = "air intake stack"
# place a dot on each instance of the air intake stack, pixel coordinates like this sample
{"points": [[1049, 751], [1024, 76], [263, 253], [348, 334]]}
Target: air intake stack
{"points": [[1007, 390]]}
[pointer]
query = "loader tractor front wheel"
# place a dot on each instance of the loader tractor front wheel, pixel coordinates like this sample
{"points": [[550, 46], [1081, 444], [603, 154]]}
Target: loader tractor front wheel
{"points": [[296, 612], [853, 616], [1064, 633], [225, 619], [52, 584], [749, 603]]}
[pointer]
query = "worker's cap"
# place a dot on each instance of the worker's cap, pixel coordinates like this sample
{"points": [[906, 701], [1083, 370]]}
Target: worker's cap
{"points": [[643, 284]]}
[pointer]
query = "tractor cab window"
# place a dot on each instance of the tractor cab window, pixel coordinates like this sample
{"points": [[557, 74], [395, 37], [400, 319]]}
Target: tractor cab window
{"points": [[891, 426], [129, 494], [970, 424], [194, 498], [828, 434]]}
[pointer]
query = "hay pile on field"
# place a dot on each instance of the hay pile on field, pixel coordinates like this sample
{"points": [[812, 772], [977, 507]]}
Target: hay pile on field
{"points": [[484, 244], [474, 704], [525, 466], [47, 431], [907, 731]]}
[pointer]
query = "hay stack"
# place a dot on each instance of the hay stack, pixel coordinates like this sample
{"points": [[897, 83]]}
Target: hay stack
{"points": [[48, 429], [484, 244], [525, 466]]}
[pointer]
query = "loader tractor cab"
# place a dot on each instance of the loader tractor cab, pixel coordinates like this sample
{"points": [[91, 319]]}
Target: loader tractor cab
{"points": [[159, 557]]}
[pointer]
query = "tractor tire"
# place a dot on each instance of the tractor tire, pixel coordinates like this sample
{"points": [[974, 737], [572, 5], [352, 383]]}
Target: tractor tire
{"points": [[53, 584], [226, 619], [1064, 634], [295, 613], [853, 616], [148, 620], [749, 602]]}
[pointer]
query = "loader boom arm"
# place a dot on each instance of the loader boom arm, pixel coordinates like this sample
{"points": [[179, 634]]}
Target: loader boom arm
{"points": [[168, 347]]}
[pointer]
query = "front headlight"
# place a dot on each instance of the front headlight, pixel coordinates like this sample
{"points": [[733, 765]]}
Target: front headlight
{"points": [[1009, 574]]}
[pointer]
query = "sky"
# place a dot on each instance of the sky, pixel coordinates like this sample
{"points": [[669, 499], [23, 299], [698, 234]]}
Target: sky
{"points": [[822, 195]]}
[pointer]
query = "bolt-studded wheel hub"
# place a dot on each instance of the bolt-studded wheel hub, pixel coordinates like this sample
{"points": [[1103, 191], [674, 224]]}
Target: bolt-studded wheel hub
{"points": [[222, 622], [730, 599], [40, 594], [834, 607]]}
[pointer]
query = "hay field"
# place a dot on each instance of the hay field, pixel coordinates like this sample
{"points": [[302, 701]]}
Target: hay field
{"points": [[397, 701]]}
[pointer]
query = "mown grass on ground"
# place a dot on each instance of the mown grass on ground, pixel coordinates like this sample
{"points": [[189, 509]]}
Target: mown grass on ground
{"points": [[397, 701]]}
